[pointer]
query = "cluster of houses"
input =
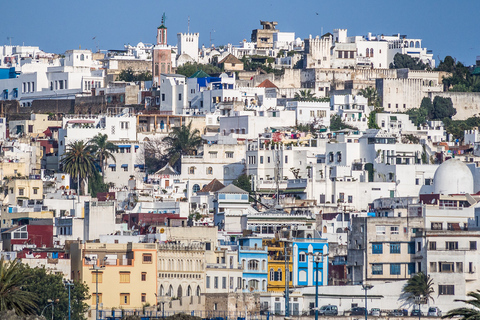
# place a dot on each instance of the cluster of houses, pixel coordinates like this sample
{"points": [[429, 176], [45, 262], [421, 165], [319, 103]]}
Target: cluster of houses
{"points": [[328, 207]]}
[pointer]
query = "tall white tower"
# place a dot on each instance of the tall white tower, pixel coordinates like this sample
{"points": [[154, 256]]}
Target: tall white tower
{"points": [[188, 44]]}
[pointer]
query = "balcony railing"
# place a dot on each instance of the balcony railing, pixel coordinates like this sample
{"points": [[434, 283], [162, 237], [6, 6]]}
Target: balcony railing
{"points": [[108, 262]]}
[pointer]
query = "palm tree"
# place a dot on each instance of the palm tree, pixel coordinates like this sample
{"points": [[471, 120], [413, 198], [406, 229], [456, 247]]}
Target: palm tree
{"points": [[304, 95], [182, 141], [371, 94], [419, 288], [471, 312], [79, 161], [103, 150], [12, 296]]}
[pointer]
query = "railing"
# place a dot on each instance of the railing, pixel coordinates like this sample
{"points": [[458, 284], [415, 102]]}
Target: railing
{"points": [[108, 262], [262, 248]]}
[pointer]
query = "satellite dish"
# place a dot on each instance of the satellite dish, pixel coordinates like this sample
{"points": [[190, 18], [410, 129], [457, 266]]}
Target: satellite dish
{"points": [[397, 182], [125, 110]]}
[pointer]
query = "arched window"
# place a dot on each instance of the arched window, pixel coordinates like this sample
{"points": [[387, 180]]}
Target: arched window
{"points": [[411, 44], [264, 285], [339, 157], [330, 157], [196, 188], [272, 274], [243, 264], [417, 44], [82, 57], [209, 170], [367, 53], [198, 291], [264, 265], [253, 265], [170, 291], [189, 291], [302, 275], [161, 291], [191, 170], [279, 274], [253, 284], [371, 53], [179, 291]]}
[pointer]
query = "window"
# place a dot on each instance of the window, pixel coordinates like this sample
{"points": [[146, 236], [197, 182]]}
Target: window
{"points": [[393, 230], [21, 192], [212, 155], [380, 229], [191, 170], [394, 247], [147, 258], [446, 266], [94, 277], [417, 181], [229, 154], [215, 282], [125, 167], [436, 226], [30, 128], [35, 190], [144, 276], [208, 282], [286, 159], [179, 97], [124, 277], [94, 298], [411, 268], [377, 268], [411, 247], [459, 266], [209, 170], [224, 282], [144, 297], [451, 245], [433, 267], [473, 245], [446, 289], [302, 257], [163, 96], [124, 298], [261, 159], [350, 199], [377, 248], [253, 265], [113, 168], [395, 268]]}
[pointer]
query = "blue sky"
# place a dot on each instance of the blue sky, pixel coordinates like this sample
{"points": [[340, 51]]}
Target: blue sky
{"points": [[446, 27]]}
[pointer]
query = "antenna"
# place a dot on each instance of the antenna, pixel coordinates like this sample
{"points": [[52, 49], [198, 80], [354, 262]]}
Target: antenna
{"points": [[211, 37], [188, 28], [10, 39]]}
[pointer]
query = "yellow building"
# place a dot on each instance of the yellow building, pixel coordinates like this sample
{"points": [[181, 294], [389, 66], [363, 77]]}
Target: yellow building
{"points": [[276, 265], [22, 188], [127, 277]]}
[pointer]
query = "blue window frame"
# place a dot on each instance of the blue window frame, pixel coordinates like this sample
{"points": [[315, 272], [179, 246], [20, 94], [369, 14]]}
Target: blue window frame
{"points": [[395, 268], [395, 247], [411, 247], [377, 248], [377, 268], [411, 268]]}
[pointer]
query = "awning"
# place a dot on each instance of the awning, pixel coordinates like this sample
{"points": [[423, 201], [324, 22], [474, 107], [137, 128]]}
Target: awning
{"points": [[124, 146], [112, 165], [81, 121], [141, 166], [136, 147], [124, 165]]}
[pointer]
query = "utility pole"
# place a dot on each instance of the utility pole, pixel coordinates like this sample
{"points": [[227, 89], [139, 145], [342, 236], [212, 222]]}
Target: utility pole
{"points": [[287, 280]]}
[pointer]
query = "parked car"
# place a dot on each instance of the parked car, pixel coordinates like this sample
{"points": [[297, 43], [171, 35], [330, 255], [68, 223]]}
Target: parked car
{"points": [[375, 312], [434, 312], [416, 313], [328, 310], [400, 313], [357, 311]]}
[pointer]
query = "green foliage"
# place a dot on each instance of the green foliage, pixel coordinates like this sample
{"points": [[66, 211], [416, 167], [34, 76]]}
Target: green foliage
{"points": [[470, 312], [96, 184], [102, 150], [304, 95], [154, 156], [13, 295], [419, 286], [46, 286], [182, 141], [457, 127], [243, 182], [401, 61], [336, 124], [461, 79], [291, 53], [188, 69], [442, 108], [79, 161], [372, 121], [372, 96], [128, 75]]}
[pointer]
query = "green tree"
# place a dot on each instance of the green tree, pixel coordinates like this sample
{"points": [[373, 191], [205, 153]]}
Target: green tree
{"points": [[13, 295], [243, 182], [419, 288], [372, 96], [336, 123], [79, 162], [96, 184], [128, 75], [188, 69], [304, 95], [470, 312], [442, 108], [182, 140], [102, 150], [48, 286], [401, 61], [372, 120]]}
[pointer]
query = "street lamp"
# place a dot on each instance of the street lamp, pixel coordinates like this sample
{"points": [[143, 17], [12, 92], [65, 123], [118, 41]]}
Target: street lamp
{"points": [[69, 284], [50, 303], [163, 300], [366, 287], [96, 269], [317, 258]]}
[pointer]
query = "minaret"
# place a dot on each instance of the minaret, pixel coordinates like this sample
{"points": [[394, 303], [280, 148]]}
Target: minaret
{"points": [[162, 54]]}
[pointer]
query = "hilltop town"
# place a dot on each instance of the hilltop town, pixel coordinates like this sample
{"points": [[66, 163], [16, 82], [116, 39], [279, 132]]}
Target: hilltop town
{"points": [[262, 179]]}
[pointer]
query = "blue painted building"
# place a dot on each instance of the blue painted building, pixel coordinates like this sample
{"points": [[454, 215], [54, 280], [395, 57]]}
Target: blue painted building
{"points": [[252, 256], [304, 265]]}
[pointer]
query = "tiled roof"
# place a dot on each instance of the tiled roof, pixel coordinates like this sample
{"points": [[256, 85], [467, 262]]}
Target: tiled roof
{"points": [[232, 189], [267, 84], [230, 59], [213, 186]]}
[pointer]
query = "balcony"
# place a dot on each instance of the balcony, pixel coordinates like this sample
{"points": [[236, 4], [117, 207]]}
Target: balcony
{"points": [[107, 262]]}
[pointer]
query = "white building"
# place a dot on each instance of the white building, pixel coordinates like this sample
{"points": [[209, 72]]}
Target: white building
{"points": [[187, 44], [173, 93], [306, 112]]}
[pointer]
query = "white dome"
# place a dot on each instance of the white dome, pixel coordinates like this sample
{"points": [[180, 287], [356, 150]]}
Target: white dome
{"points": [[453, 177]]}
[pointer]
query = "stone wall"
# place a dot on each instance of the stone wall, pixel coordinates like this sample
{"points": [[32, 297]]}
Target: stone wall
{"points": [[233, 302], [467, 104]]}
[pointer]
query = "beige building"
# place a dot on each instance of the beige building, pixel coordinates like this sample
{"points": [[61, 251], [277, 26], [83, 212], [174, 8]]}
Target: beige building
{"points": [[126, 275], [21, 188], [35, 127]]}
